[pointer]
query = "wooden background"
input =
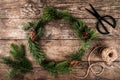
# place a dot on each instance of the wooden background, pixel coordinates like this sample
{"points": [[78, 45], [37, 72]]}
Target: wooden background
{"points": [[59, 39]]}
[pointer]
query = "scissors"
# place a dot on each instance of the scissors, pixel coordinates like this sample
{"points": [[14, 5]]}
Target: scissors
{"points": [[101, 19]]}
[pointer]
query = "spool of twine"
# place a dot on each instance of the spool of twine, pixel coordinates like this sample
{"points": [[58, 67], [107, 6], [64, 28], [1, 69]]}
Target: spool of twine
{"points": [[109, 55]]}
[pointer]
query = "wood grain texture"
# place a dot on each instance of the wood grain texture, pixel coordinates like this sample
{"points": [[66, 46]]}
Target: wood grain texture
{"points": [[59, 39], [77, 8], [58, 49], [39, 73], [59, 29]]}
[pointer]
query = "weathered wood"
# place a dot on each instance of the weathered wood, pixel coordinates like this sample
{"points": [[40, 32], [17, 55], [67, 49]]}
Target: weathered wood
{"points": [[4, 4], [58, 49], [12, 29], [76, 8], [54, 49], [11, 3], [6, 1], [40, 73], [113, 74], [21, 9], [81, 1], [59, 38], [3, 74]]}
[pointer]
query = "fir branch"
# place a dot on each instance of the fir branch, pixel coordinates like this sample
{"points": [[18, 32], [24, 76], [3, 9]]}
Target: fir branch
{"points": [[60, 15], [35, 51], [64, 15], [49, 13], [39, 28], [17, 52], [40, 32], [63, 67], [49, 66], [19, 63], [13, 73], [93, 34], [77, 55], [53, 68], [79, 27], [36, 25], [9, 62], [28, 25], [85, 45]]}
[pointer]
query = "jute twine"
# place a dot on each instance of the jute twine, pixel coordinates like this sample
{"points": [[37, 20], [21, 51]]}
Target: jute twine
{"points": [[107, 54]]}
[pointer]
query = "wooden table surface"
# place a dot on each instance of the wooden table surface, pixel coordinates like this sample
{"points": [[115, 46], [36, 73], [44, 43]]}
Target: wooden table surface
{"points": [[59, 39]]}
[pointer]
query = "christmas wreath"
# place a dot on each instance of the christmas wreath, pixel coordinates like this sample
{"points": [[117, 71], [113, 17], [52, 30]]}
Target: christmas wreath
{"points": [[36, 30]]}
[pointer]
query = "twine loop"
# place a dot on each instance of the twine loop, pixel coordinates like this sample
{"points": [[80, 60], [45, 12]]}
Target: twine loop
{"points": [[107, 54]]}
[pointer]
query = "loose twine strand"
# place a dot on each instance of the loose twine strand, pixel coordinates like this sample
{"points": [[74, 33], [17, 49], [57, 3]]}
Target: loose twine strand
{"points": [[95, 64]]}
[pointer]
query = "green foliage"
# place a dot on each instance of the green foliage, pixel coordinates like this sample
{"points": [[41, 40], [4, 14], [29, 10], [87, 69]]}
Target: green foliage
{"points": [[50, 66], [85, 45], [53, 68], [36, 25], [39, 56], [19, 63], [77, 55], [29, 25], [65, 15], [63, 67], [13, 73], [80, 28], [49, 13], [17, 52], [93, 34], [35, 51]]}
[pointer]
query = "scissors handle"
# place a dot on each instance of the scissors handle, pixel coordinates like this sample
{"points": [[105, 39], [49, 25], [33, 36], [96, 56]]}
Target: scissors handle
{"points": [[103, 18], [97, 26], [111, 18]]}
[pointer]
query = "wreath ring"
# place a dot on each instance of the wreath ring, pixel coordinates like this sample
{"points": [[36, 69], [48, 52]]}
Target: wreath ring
{"points": [[36, 30]]}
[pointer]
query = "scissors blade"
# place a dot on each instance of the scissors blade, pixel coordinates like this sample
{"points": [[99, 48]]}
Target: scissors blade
{"points": [[94, 12], [94, 9], [91, 12]]}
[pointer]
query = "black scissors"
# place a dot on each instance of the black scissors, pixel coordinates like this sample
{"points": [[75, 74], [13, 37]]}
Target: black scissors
{"points": [[102, 18]]}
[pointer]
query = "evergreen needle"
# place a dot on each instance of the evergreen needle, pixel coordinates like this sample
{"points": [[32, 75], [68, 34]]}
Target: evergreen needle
{"points": [[18, 63]]}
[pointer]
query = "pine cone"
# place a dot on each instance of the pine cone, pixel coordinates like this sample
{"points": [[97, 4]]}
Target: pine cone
{"points": [[85, 35], [32, 34], [74, 63]]}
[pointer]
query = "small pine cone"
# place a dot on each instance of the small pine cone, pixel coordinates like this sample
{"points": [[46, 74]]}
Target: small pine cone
{"points": [[85, 35], [74, 63], [32, 34]]}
